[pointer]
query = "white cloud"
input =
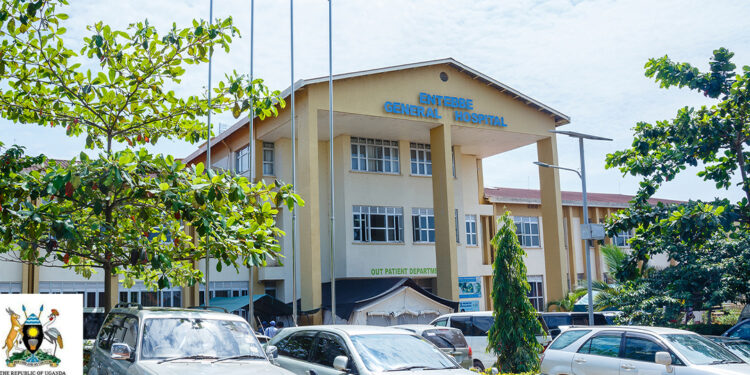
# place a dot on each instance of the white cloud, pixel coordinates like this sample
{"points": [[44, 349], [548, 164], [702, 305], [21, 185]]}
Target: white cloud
{"points": [[584, 58]]}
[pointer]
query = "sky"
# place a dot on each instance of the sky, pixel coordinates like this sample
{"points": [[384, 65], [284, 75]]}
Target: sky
{"points": [[582, 58]]}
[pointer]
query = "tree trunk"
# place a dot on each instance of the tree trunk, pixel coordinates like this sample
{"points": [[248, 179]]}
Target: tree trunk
{"points": [[107, 288]]}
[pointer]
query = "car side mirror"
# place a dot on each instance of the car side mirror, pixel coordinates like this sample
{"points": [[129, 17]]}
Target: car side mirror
{"points": [[664, 358], [340, 363], [272, 351], [495, 371], [120, 351]]}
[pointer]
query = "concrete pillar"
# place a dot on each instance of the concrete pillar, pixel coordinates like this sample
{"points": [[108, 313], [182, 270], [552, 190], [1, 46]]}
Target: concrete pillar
{"points": [[308, 217], [480, 181], [552, 219], [444, 206], [29, 278]]}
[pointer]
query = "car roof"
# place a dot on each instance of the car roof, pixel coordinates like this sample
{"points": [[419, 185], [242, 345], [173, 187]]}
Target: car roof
{"points": [[467, 313], [349, 329], [653, 330], [422, 327], [170, 312]]}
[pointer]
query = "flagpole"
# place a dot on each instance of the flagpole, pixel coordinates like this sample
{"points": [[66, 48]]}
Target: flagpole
{"points": [[294, 170], [207, 294], [330, 159], [251, 156]]}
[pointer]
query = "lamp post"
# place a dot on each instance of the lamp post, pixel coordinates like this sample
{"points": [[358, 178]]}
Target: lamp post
{"points": [[582, 176]]}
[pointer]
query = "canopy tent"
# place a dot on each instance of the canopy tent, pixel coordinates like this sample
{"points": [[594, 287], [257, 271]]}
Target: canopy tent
{"points": [[267, 308], [383, 302]]}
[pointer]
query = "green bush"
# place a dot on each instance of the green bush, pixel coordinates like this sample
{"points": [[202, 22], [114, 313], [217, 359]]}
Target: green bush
{"points": [[706, 329], [489, 372]]}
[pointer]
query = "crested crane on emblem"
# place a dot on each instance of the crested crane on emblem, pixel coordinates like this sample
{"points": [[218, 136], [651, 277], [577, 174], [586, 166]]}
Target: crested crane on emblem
{"points": [[29, 337]]}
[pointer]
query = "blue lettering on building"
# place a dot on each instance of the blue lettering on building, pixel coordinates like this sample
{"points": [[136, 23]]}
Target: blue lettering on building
{"points": [[462, 109]]}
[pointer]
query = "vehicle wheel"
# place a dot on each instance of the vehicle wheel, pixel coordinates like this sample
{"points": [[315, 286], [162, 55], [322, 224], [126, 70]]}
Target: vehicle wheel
{"points": [[478, 365]]}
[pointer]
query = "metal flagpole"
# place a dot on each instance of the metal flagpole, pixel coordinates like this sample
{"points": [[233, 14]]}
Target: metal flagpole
{"points": [[207, 293], [330, 158], [251, 155], [294, 171]]}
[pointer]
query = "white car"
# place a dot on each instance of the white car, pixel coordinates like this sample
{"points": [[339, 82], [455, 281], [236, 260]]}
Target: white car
{"points": [[635, 350], [358, 349]]}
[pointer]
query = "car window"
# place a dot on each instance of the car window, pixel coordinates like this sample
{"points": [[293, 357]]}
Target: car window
{"points": [[126, 332], [298, 345], [700, 350], [555, 321], [641, 349], [105, 333], [463, 323], [568, 337], [579, 320], [441, 323], [327, 348], [482, 325], [445, 338], [607, 345], [600, 320], [742, 331]]}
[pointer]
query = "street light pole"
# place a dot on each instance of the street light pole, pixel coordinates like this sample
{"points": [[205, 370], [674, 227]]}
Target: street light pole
{"points": [[582, 176]]}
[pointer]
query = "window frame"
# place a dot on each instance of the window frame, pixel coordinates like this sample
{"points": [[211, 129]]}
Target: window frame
{"points": [[366, 155], [271, 147], [472, 233], [314, 351], [420, 155], [537, 286], [420, 217], [240, 157], [621, 239], [362, 223], [527, 239], [287, 339], [601, 334]]}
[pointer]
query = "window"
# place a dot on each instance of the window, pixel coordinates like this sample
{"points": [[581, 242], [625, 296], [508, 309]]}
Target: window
{"points": [[423, 222], [126, 332], [327, 348], [536, 293], [374, 155], [566, 338], [421, 159], [607, 345], [463, 323], [482, 325], [743, 331], [441, 322], [622, 238], [378, 224], [297, 346], [268, 157], [527, 229], [471, 230], [641, 349], [241, 161], [105, 334]]}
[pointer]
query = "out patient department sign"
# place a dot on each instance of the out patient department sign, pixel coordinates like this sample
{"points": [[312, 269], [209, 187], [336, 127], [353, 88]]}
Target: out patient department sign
{"points": [[43, 334]]}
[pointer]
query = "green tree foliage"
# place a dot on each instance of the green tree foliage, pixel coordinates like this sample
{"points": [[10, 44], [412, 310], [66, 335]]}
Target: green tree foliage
{"points": [[125, 212], [512, 336], [708, 240], [568, 302]]}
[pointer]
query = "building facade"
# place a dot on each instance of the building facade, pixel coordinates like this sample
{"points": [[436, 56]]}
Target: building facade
{"points": [[409, 143]]}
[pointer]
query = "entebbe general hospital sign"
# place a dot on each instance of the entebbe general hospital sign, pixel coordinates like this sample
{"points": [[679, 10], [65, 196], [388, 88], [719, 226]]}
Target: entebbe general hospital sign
{"points": [[462, 109]]}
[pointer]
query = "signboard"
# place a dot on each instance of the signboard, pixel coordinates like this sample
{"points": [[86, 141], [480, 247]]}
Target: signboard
{"points": [[469, 287], [468, 306], [592, 231], [44, 334], [430, 106], [403, 271]]}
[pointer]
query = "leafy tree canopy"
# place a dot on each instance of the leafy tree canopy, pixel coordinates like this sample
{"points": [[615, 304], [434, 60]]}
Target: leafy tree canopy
{"points": [[708, 240]]}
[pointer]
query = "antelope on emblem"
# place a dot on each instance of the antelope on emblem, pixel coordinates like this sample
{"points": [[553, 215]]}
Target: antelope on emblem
{"points": [[15, 331]]}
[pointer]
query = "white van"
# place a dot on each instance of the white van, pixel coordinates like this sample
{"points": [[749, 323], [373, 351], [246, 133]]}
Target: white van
{"points": [[474, 326]]}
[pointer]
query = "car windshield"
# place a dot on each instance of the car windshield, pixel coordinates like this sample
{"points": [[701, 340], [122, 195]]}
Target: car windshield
{"points": [[739, 348], [699, 350], [393, 352], [169, 338]]}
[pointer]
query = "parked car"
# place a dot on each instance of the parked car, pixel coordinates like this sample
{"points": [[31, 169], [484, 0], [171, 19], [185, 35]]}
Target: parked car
{"points": [[449, 340], [93, 317], [143, 340], [474, 326], [745, 313], [637, 350], [740, 330], [359, 349], [555, 320], [739, 347]]}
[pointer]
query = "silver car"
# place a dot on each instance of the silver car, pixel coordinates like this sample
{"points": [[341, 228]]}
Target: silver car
{"points": [[637, 350], [359, 349], [148, 341], [449, 340]]}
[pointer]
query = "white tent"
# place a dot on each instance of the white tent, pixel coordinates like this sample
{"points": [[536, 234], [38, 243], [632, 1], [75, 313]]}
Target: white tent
{"points": [[403, 305]]}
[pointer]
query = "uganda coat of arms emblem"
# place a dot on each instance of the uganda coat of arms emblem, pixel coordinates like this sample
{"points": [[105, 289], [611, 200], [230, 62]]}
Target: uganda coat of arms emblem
{"points": [[28, 337]]}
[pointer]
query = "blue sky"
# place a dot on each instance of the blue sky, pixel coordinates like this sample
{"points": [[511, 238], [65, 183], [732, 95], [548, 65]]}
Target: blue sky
{"points": [[583, 58]]}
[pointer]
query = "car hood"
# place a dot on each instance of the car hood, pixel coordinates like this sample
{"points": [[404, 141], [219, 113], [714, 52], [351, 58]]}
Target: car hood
{"points": [[207, 368], [728, 369]]}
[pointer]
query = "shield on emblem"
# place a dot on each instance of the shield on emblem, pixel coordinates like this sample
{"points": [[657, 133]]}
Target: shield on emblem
{"points": [[33, 336]]}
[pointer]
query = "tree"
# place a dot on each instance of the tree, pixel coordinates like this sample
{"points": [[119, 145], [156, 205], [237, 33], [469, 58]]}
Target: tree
{"points": [[512, 336], [125, 212], [707, 240], [568, 302]]}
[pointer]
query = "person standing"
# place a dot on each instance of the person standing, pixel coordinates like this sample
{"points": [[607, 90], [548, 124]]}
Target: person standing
{"points": [[271, 330]]}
